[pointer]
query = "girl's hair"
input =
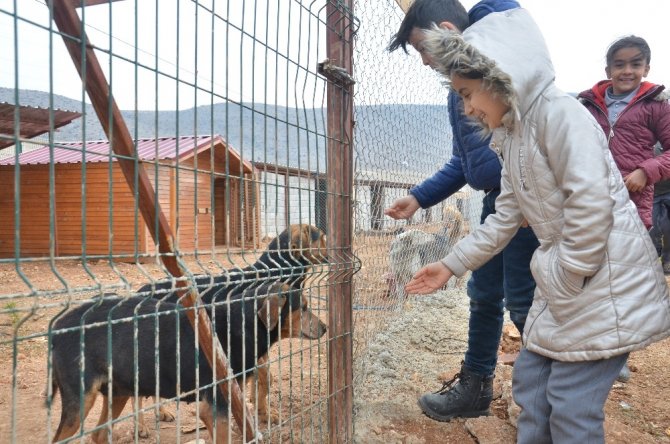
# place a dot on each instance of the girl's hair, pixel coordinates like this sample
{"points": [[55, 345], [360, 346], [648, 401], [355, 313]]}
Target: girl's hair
{"points": [[455, 57], [423, 14], [630, 41], [452, 55]]}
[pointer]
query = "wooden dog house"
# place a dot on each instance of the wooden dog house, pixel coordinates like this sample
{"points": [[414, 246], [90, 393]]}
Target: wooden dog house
{"points": [[205, 189]]}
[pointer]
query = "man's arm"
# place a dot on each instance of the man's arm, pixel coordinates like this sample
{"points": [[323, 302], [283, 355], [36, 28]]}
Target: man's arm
{"points": [[445, 182]]}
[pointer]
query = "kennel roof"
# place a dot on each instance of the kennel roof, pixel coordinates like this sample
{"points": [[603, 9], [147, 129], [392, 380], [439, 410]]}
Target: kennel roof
{"points": [[162, 148], [33, 121]]}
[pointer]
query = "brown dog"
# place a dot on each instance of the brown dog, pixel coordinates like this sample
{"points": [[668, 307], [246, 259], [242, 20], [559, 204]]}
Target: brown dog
{"points": [[247, 325], [288, 258]]}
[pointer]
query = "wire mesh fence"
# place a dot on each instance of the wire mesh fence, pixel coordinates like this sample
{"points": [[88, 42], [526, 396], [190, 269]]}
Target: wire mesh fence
{"points": [[403, 136], [193, 162], [163, 150]]}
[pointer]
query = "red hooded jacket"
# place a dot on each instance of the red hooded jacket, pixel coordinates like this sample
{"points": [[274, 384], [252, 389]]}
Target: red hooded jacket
{"points": [[645, 121]]}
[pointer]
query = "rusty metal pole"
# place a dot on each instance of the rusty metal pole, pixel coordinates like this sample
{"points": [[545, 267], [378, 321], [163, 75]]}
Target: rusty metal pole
{"points": [[339, 215], [90, 71]]}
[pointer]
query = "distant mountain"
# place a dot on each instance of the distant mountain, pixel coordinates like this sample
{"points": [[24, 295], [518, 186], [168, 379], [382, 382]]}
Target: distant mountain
{"points": [[402, 137]]}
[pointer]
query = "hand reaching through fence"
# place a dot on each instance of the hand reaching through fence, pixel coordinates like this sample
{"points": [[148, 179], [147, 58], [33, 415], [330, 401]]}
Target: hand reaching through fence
{"points": [[403, 208], [429, 279]]}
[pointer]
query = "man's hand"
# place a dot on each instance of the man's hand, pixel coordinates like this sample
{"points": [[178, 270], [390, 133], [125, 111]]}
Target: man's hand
{"points": [[636, 181], [403, 208], [430, 278]]}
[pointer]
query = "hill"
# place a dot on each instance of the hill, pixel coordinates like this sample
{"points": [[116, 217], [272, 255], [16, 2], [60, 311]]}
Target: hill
{"points": [[389, 137]]}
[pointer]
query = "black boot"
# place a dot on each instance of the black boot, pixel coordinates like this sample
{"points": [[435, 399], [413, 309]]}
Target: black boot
{"points": [[466, 395]]}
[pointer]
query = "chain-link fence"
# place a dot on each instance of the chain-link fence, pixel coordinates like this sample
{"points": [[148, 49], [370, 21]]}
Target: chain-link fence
{"points": [[403, 136]]}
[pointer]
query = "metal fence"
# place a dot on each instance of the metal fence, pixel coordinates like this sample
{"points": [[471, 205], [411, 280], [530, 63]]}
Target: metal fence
{"points": [[402, 137], [193, 241]]}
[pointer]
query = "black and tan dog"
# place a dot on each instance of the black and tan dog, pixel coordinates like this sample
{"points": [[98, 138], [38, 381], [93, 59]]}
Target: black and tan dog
{"points": [[287, 259], [247, 325]]}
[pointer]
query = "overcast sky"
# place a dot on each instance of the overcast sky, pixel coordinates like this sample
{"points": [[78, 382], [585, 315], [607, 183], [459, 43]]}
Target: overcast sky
{"points": [[204, 50], [577, 34]]}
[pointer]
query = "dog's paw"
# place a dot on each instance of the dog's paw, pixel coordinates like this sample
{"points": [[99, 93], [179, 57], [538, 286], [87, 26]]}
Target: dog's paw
{"points": [[165, 415]]}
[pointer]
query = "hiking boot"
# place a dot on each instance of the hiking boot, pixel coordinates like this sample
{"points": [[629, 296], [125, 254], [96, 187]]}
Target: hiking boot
{"points": [[466, 395], [666, 268], [624, 374]]}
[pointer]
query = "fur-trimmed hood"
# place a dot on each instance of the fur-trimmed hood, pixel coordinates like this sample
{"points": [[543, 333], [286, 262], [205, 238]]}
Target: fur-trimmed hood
{"points": [[508, 47]]}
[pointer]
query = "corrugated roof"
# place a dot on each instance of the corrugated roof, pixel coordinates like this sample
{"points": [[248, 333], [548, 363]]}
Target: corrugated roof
{"points": [[33, 121], [99, 151]]}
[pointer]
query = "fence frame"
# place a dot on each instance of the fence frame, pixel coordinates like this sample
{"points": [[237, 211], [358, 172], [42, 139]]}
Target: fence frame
{"points": [[97, 87]]}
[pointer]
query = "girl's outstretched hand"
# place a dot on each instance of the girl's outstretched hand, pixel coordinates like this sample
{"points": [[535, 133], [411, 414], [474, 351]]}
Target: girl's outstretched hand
{"points": [[430, 278]]}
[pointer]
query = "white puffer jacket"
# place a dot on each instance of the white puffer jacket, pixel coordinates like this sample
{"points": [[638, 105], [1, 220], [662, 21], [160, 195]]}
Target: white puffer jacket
{"points": [[600, 289]]}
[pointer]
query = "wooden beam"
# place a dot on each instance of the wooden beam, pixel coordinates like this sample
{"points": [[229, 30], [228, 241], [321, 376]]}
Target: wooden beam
{"points": [[92, 76], [87, 3], [339, 49], [404, 4]]}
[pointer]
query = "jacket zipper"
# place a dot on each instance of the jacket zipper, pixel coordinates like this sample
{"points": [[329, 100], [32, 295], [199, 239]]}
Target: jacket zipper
{"points": [[610, 135], [523, 342]]}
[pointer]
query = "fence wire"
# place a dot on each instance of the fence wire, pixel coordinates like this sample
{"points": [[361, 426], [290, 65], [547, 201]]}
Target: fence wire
{"points": [[226, 117], [402, 137]]}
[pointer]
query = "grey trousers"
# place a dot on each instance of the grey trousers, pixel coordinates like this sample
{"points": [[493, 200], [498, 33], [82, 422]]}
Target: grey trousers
{"points": [[562, 402]]}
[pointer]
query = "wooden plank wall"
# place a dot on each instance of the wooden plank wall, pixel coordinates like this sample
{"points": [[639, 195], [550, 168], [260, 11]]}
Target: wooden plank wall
{"points": [[69, 195], [35, 228], [195, 194], [34, 213]]}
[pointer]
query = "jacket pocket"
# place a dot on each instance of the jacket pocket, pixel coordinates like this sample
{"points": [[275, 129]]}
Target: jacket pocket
{"points": [[572, 281], [566, 286]]}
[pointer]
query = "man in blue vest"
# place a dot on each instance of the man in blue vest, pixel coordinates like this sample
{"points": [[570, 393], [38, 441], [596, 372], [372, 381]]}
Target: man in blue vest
{"points": [[506, 280]]}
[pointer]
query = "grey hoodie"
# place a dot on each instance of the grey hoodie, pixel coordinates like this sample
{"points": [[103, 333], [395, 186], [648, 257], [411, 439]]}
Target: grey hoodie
{"points": [[600, 289]]}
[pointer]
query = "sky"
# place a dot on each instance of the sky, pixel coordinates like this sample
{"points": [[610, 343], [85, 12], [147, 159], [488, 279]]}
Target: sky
{"points": [[202, 50], [205, 54], [578, 33]]}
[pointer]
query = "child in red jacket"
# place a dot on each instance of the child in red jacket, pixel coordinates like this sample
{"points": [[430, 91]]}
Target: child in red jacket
{"points": [[634, 115]]}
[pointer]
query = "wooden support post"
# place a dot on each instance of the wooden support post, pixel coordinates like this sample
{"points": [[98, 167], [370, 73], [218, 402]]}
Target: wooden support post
{"points": [[90, 71], [340, 189], [376, 206]]}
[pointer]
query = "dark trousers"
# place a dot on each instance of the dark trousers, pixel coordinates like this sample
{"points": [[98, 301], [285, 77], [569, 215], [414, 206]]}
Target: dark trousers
{"points": [[660, 232], [503, 282]]}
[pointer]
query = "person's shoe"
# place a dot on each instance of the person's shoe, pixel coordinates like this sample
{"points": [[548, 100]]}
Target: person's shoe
{"points": [[666, 268], [466, 395], [624, 374]]}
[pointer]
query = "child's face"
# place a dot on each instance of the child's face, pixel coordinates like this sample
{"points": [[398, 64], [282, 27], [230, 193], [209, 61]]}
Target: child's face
{"points": [[627, 69], [478, 102]]}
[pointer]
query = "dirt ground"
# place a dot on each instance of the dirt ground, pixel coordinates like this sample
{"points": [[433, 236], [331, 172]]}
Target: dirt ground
{"points": [[416, 346], [425, 346], [299, 366]]}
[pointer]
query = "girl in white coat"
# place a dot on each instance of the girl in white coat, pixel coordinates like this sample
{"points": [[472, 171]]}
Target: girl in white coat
{"points": [[600, 290]]}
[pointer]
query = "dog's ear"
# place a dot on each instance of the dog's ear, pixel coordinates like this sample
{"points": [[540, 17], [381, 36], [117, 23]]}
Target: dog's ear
{"points": [[269, 311], [297, 236], [294, 237], [300, 236]]}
